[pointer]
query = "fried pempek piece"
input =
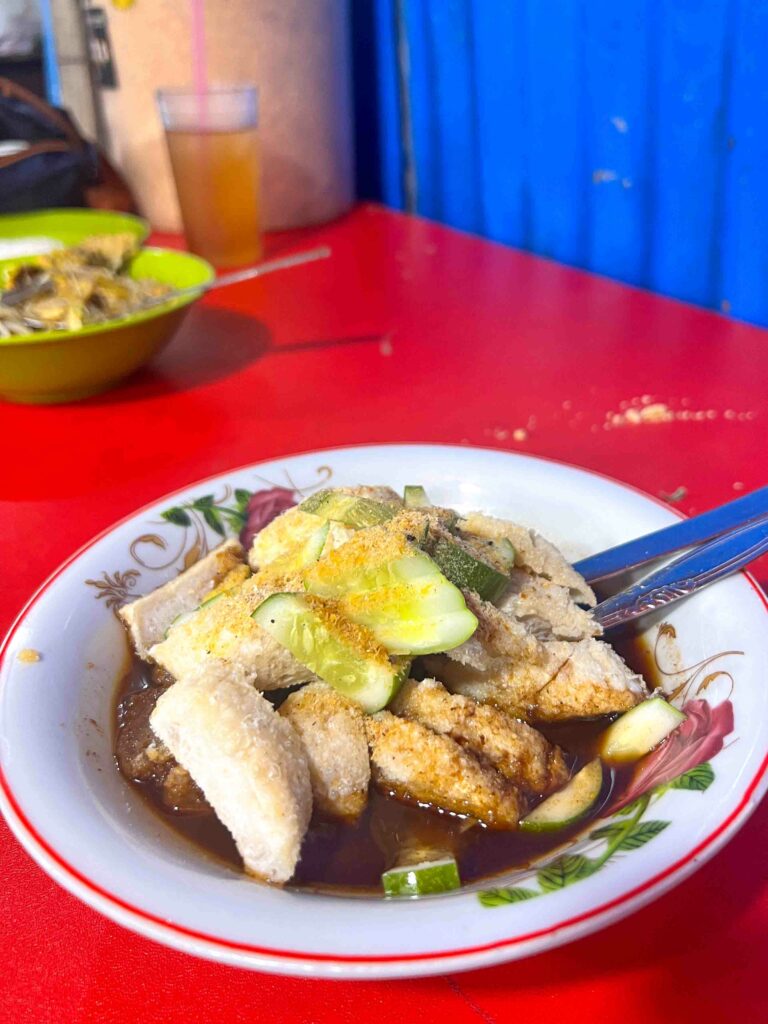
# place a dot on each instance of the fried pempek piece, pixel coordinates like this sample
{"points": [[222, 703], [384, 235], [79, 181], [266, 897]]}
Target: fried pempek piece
{"points": [[148, 618], [331, 728], [515, 749], [249, 763], [418, 764], [532, 552], [222, 641]]}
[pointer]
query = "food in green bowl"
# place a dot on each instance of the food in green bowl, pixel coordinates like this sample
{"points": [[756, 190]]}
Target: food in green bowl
{"points": [[61, 365], [67, 289]]}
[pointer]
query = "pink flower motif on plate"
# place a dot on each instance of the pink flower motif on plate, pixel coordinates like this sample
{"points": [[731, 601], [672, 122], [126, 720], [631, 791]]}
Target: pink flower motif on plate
{"points": [[262, 508], [698, 739]]}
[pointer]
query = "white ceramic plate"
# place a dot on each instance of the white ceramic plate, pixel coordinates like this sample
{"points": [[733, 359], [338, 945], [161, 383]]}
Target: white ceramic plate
{"points": [[78, 818]]}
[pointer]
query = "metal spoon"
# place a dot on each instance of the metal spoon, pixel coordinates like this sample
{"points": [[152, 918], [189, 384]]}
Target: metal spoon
{"points": [[713, 561], [666, 541], [296, 259]]}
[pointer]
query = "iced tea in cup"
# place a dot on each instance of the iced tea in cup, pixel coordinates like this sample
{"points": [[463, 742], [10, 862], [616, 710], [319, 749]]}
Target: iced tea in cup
{"points": [[214, 152]]}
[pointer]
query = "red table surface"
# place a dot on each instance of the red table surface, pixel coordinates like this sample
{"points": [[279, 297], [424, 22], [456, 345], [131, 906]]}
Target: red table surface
{"points": [[411, 332]]}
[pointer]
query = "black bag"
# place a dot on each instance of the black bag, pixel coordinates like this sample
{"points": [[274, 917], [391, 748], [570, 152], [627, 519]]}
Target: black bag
{"points": [[57, 167]]}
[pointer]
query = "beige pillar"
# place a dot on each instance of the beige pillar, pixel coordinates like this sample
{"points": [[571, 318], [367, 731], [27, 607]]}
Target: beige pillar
{"points": [[295, 51], [72, 57]]}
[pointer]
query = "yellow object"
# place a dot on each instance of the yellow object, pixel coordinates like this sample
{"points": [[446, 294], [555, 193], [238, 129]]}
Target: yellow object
{"points": [[63, 366]]}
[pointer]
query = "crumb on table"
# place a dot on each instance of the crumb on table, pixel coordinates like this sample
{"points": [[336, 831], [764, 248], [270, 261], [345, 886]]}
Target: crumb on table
{"points": [[28, 656]]}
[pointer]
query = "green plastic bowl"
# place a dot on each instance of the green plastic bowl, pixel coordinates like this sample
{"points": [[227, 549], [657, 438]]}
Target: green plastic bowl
{"points": [[63, 366], [70, 226]]}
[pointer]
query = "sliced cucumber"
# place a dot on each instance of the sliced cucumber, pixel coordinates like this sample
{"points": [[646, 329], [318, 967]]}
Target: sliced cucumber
{"points": [[283, 536], [639, 730], [364, 562], [468, 572], [396, 591], [348, 509], [186, 616], [304, 554], [183, 617], [424, 879], [339, 652], [425, 616], [313, 548], [569, 804], [505, 552], [414, 496]]}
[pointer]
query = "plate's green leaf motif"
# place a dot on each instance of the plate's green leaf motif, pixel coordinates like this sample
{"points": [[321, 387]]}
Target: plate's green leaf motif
{"points": [[177, 516], [206, 501], [637, 836], [242, 497], [500, 897], [213, 518], [234, 517], [641, 834], [566, 870], [699, 778]]}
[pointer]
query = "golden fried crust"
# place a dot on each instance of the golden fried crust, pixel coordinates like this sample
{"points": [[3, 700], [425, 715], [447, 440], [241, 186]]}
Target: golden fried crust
{"points": [[148, 618], [500, 634], [547, 609], [233, 579], [515, 749], [333, 734], [575, 680], [249, 763], [593, 681], [532, 552], [417, 764], [222, 641]]}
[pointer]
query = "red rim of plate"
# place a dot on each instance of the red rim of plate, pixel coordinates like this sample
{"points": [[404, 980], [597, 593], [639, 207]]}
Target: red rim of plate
{"points": [[633, 895]]}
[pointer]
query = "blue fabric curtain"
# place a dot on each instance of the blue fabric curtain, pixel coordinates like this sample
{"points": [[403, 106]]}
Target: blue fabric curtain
{"points": [[628, 138]]}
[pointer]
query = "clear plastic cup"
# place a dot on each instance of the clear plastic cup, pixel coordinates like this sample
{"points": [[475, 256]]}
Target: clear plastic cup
{"points": [[214, 150]]}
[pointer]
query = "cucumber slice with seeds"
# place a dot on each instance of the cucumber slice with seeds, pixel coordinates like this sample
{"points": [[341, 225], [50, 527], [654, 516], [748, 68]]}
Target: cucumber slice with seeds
{"points": [[414, 496], [341, 653], [388, 585], [468, 572], [426, 616], [303, 555], [283, 536], [425, 879], [569, 804], [639, 730], [348, 509]]}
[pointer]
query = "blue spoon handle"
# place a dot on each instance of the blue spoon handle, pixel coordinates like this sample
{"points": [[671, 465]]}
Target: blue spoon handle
{"points": [[685, 575], [674, 538]]}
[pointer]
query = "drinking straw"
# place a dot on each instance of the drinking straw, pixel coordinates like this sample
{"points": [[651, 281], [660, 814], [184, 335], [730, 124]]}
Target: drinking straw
{"points": [[199, 62]]}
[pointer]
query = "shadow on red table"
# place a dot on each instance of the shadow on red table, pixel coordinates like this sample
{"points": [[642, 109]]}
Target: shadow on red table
{"points": [[211, 345]]}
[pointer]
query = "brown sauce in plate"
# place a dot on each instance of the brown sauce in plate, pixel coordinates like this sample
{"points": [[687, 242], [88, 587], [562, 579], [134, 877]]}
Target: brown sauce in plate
{"points": [[348, 859]]}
